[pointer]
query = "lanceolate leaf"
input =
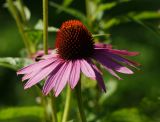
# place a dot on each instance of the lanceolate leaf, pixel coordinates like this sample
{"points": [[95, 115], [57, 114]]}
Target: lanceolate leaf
{"points": [[18, 112], [133, 5], [67, 2], [70, 11], [151, 29], [140, 16], [146, 15]]}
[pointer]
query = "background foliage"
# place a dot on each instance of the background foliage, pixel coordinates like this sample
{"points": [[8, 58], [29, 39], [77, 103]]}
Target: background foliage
{"points": [[133, 25]]}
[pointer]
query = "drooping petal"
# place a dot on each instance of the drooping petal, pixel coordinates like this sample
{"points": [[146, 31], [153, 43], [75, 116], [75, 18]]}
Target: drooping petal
{"points": [[75, 74], [118, 58], [124, 52], [99, 78], [53, 77], [87, 69], [124, 60], [109, 69], [42, 74], [36, 66], [107, 61], [61, 82]]}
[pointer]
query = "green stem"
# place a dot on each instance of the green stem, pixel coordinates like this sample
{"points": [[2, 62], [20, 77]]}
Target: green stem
{"points": [[45, 47], [22, 12], [67, 105], [48, 104], [45, 26], [14, 13], [79, 101], [54, 116]]}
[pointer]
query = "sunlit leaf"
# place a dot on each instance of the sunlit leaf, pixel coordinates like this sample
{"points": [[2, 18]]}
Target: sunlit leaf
{"points": [[103, 34], [17, 112], [107, 6], [108, 24], [131, 17], [27, 13], [67, 2], [145, 15], [14, 63], [39, 26], [25, 9], [70, 11], [91, 9]]}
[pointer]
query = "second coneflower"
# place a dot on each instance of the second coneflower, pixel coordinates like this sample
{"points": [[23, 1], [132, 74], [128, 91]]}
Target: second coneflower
{"points": [[75, 51]]}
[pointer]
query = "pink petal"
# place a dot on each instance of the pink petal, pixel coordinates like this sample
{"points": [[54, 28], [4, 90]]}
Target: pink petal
{"points": [[30, 75], [53, 77], [124, 60], [87, 69], [36, 66], [75, 74], [99, 78], [123, 52], [42, 74], [61, 82], [108, 62], [110, 70]]}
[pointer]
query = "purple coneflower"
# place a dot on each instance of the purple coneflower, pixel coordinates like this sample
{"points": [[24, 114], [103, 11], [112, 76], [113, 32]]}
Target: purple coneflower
{"points": [[75, 51]]}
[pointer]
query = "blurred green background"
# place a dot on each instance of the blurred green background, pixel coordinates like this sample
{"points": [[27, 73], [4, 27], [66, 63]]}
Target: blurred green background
{"points": [[134, 99]]}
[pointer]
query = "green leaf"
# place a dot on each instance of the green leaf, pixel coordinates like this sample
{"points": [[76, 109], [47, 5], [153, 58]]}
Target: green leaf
{"points": [[70, 11], [19, 8], [27, 13], [145, 15], [128, 115], [14, 63], [17, 112], [108, 24], [105, 7], [39, 26], [35, 36], [67, 2], [132, 17], [98, 35], [149, 28], [123, 8]]}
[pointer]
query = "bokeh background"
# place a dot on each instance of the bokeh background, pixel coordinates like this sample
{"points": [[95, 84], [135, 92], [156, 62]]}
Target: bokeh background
{"points": [[132, 24]]}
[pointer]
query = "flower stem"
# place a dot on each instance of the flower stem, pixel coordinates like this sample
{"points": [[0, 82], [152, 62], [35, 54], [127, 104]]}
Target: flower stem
{"points": [[54, 115], [79, 101], [45, 26], [22, 12], [67, 105]]}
